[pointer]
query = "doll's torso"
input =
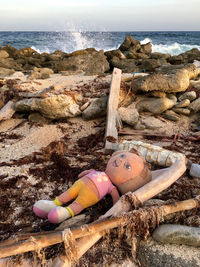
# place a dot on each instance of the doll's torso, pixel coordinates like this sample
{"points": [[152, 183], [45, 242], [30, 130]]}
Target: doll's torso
{"points": [[98, 182]]}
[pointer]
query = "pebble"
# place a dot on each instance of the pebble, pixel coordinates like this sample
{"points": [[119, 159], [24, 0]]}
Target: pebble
{"points": [[171, 115], [177, 234], [195, 170], [183, 111], [188, 95], [183, 104]]}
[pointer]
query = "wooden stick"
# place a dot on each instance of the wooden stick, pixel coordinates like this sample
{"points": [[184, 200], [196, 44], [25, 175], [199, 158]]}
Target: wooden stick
{"points": [[7, 111], [111, 129], [87, 242], [38, 242]]}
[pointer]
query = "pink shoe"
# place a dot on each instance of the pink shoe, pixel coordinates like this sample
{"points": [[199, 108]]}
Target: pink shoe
{"points": [[58, 215]]}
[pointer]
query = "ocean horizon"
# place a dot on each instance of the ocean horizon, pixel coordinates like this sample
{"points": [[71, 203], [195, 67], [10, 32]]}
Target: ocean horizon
{"points": [[172, 42]]}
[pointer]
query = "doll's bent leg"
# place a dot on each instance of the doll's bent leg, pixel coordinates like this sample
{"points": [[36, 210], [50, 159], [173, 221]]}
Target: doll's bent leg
{"points": [[71, 193], [85, 199]]}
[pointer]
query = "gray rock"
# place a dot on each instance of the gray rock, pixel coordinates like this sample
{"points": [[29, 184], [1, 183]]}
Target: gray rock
{"points": [[155, 105], [195, 105], [96, 109], [152, 123], [177, 234], [195, 170], [188, 95], [129, 115], [150, 64], [184, 103], [52, 107], [184, 111], [171, 115], [196, 84], [152, 254]]}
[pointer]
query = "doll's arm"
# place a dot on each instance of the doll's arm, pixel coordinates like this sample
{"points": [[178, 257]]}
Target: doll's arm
{"points": [[85, 173], [115, 195]]}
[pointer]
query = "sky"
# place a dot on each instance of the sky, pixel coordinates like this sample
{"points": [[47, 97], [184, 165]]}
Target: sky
{"points": [[101, 15]]}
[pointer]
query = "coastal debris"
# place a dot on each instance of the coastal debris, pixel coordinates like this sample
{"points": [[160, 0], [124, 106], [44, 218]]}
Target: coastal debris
{"points": [[152, 153], [7, 111], [41, 241], [111, 127]]}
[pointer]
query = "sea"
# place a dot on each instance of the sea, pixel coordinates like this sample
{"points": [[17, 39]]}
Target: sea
{"points": [[171, 42]]}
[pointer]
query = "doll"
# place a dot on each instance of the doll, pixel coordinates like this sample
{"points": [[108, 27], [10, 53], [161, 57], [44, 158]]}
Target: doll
{"points": [[125, 171]]}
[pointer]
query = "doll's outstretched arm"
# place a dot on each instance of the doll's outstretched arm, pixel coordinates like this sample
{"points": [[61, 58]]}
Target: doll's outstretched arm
{"points": [[115, 195]]}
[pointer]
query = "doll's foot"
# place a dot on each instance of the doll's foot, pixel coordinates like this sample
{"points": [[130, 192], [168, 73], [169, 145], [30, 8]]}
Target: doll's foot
{"points": [[42, 207], [58, 215]]}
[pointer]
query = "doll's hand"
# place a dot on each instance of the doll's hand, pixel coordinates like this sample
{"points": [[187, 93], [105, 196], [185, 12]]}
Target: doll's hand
{"points": [[42, 207]]}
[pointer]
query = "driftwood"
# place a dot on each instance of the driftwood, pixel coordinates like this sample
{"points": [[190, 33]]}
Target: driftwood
{"points": [[41, 241], [86, 243], [7, 111], [38, 94], [111, 127]]}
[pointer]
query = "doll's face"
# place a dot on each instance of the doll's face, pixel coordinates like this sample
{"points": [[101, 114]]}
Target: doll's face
{"points": [[124, 166]]}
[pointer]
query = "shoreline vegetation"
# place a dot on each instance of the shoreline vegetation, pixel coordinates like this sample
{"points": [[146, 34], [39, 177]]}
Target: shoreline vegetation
{"points": [[53, 110]]}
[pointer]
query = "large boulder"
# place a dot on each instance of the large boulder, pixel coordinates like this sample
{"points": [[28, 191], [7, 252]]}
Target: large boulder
{"points": [[168, 80], [126, 65], [186, 57], [52, 107], [129, 115], [96, 109], [10, 63], [6, 72], [150, 65], [89, 61], [130, 42]]}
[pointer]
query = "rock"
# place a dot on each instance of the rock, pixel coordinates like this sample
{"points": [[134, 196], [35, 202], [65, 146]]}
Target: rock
{"points": [[184, 103], [157, 94], [126, 65], [177, 81], [128, 43], [10, 63], [52, 107], [125, 98], [184, 111], [173, 98], [152, 123], [187, 57], [155, 105], [195, 105], [146, 48], [188, 95], [157, 55], [129, 115], [3, 54], [171, 115], [196, 84], [153, 254], [177, 234], [195, 170], [136, 55], [37, 117], [114, 53], [40, 73], [150, 65], [89, 61], [96, 109], [6, 72], [27, 51], [18, 74]]}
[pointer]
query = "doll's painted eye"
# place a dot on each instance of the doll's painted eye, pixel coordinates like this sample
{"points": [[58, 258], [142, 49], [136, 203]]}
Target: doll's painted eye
{"points": [[128, 166], [122, 156]]}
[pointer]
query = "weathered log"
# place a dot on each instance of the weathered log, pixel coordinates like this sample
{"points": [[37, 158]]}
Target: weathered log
{"points": [[111, 129]]}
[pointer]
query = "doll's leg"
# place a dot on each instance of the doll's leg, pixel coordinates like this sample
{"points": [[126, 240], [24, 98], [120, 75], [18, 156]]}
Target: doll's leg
{"points": [[85, 199], [42, 207]]}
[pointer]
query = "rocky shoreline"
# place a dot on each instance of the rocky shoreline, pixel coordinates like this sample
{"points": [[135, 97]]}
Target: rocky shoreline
{"points": [[52, 124]]}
